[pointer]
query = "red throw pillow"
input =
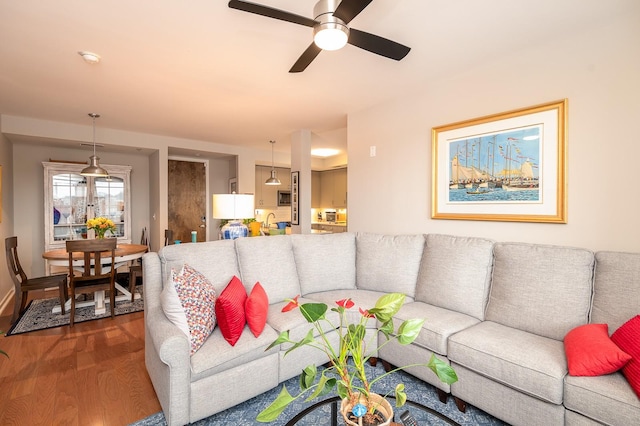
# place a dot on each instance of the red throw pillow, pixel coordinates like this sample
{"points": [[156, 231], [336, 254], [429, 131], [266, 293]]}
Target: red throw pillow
{"points": [[230, 310], [256, 309], [590, 351], [627, 337]]}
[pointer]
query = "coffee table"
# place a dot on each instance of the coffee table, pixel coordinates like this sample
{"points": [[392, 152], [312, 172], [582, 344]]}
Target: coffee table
{"points": [[329, 408]]}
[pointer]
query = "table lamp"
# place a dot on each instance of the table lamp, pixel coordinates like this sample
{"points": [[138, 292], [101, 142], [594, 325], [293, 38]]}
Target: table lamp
{"points": [[233, 207]]}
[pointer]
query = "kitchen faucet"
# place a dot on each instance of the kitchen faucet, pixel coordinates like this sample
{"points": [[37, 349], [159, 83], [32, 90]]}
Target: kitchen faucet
{"points": [[274, 216]]}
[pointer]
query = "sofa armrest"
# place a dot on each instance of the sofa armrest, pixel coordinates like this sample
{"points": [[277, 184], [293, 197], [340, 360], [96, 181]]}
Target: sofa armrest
{"points": [[167, 349]]}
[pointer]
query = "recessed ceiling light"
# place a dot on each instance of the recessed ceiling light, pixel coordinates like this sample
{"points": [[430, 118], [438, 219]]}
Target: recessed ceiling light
{"points": [[89, 57], [324, 152]]}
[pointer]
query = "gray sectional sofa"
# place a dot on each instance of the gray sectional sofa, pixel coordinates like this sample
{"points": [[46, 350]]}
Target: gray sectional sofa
{"points": [[497, 311]]}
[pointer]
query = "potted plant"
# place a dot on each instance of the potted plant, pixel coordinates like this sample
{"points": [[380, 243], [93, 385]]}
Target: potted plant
{"points": [[101, 225], [349, 378]]}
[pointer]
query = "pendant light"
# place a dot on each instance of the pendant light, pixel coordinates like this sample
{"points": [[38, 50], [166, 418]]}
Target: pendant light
{"points": [[94, 168], [273, 180]]}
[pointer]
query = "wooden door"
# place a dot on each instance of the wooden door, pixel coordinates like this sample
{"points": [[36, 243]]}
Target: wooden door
{"points": [[187, 199]]}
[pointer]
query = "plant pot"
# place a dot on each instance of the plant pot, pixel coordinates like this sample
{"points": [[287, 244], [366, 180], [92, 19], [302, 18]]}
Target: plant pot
{"points": [[381, 405]]}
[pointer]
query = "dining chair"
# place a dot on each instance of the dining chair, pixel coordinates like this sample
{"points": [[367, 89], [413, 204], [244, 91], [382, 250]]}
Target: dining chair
{"points": [[135, 270], [92, 278], [23, 284], [168, 237]]}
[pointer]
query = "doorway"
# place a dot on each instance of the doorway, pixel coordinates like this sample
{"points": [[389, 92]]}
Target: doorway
{"points": [[187, 199]]}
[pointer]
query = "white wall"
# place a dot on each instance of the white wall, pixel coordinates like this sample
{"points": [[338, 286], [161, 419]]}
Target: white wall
{"points": [[598, 71], [6, 227]]}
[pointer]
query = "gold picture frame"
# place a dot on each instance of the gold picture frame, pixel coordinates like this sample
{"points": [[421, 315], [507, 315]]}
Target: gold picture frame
{"points": [[504, 167]]}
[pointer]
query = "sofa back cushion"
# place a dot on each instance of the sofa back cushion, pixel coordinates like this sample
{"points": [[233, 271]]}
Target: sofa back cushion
{"points": [[325, 261], [215, 260], [455, 273], [270, 261], [541, 289], [388, 263], [616, 297]]}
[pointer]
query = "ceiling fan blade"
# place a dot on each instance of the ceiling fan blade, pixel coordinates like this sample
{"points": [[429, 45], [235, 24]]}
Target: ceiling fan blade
{"points": [[349, 9], [270, 12], [306, 58], [378, 45]]}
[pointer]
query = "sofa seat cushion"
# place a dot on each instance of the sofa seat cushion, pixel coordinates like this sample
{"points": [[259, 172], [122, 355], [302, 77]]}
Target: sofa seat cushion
{"points": [[269, 261], [388, 263], [295, 323], [216, 355], [325, 261], [443, 282], [364, 299], [529, 363], [534, 283], [439, 324], [608, 399]]}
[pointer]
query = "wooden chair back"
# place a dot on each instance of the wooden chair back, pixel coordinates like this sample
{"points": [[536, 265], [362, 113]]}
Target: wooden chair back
{"points": [[92, 253], [23, 285]]}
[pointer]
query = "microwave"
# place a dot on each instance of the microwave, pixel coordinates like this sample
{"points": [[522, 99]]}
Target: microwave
{"points": [[284, 198]]}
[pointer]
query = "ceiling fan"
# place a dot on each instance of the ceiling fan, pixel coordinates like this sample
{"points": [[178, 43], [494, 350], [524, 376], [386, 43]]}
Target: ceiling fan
{"points": [[329, 27]]}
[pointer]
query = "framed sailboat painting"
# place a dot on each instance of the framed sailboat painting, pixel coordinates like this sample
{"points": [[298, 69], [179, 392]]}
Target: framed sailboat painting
{"points": [[503, 167]]}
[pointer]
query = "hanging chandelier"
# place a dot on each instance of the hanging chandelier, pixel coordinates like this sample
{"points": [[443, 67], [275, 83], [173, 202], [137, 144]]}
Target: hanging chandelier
{"points": [[273, 180], [94, 169]]}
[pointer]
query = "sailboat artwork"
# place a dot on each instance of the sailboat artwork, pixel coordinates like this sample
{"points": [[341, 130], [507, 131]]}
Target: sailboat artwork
{"points": [[499, 167]]}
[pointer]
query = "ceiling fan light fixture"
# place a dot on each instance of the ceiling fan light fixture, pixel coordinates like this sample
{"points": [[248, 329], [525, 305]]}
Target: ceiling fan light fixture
{"points": [[330, 35]]}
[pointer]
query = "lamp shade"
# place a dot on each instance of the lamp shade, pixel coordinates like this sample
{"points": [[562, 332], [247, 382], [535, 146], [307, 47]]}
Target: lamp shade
{"points": [[233, 206]]}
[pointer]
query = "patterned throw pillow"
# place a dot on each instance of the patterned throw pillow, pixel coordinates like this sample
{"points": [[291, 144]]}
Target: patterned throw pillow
{"points": [[627, 337], [188, 300], [230, 310], [256, 309]]}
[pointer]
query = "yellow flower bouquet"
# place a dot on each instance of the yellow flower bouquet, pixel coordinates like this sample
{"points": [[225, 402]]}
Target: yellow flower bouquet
{"points": [[101, 225]]}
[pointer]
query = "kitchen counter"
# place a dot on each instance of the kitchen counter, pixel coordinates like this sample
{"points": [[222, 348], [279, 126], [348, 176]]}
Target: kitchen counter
{"points": [[329, 223]]}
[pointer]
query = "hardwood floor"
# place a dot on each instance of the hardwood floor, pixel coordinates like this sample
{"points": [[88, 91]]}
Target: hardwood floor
{"points": [[93, 374]]}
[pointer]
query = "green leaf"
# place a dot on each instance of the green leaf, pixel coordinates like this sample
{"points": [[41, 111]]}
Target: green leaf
{"points": [[342, 390], [313, 311], [445, 373], [276, 408], [387, 306], [387, 328], [325, 385], [307, 340], [409, 330], [401, 396], [282, 338], [308, 376]]}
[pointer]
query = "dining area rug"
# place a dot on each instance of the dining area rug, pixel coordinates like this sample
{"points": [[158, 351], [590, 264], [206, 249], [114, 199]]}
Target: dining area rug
{"points": [[39, 314]]}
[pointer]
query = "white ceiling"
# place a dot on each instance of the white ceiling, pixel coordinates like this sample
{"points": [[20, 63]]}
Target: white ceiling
{"points": [[200, 70]]}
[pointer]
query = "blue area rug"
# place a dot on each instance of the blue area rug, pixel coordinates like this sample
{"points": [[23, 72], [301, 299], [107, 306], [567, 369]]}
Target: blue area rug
{"points": [[244, 414]]}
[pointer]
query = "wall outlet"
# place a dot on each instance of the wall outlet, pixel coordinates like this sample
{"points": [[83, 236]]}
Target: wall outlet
{"points": [[372, 151]]}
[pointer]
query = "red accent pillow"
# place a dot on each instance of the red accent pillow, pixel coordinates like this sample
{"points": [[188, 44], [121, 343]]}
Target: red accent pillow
{"points": [[627, 337], [256, 308], [590, 351], [230, 310]]}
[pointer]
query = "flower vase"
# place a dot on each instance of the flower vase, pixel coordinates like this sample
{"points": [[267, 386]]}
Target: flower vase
{"points": [[382, 406]]}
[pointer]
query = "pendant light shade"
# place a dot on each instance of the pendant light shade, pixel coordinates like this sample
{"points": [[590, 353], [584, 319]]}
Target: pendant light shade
{"points": [[94, 168], [273, 180]]}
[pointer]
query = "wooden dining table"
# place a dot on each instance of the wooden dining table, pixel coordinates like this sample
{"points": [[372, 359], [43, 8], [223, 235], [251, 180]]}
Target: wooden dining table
{"points": [[125, 253]]}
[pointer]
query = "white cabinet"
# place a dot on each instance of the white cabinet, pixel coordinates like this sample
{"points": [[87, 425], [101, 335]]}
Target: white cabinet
{"points": [[333, 188], [71, 199], [315, 190]]}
